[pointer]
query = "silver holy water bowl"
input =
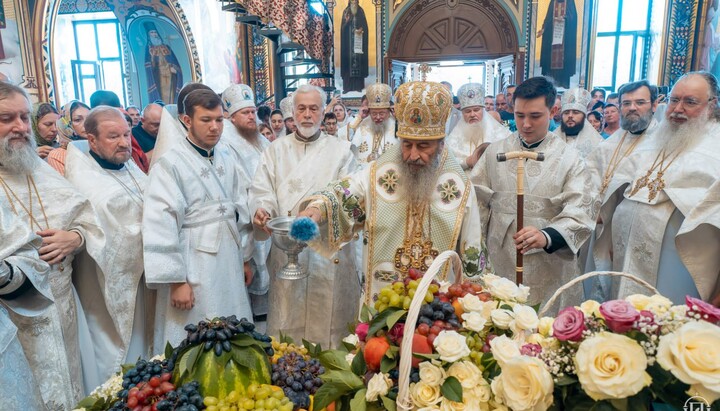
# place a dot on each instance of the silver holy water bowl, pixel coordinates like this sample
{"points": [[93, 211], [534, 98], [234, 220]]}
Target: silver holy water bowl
{"points": [[280, 227]]}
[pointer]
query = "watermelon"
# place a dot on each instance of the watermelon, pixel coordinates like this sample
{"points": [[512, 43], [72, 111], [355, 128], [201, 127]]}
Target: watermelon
{"points": [[246, 363]]}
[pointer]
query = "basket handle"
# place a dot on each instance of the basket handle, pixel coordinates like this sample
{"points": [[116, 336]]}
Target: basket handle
{"points": [[403, 398], [592, 274]]}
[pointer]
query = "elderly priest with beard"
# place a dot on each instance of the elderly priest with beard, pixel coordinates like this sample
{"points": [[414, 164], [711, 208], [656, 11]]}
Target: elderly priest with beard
{"points": [[376, 132], [414, 202], [120, 317], [52, 208], [662, 229], [319, 307], [476, 128]]}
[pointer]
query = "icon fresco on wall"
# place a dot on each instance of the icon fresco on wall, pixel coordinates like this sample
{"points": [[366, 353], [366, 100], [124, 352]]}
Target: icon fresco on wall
{"points": [[159, 52], [355, 40], [558, 40], [710, 39], [11, 65]]}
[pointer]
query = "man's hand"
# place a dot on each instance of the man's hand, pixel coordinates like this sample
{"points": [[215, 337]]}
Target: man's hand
{"points": [[58, 244], [43, 151], [247, 268], [475, 156], [182, 296], [331, 105], [311, 212], [260, 220], [364, 112], [529, 238]]}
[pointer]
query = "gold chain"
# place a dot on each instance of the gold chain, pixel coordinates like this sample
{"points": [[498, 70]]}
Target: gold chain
{"points": [[658, 183], [30, 181], [615, 162]]}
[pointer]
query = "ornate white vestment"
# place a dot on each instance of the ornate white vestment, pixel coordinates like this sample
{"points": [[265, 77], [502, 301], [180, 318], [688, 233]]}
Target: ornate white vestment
{"points": [[317, 308], [370, 146], [56, 363], [557, 195], [462, 147], [196, 230], [585, 142], [122, 318]]}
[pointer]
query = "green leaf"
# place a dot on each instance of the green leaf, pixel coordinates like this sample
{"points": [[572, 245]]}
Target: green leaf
{"points": [[620, 404], [452, 390], [331, 391], [345, 378], [358, 402], [334, 360], [388, 364], [395, 317], [245, 357], [313, 349], [426, 356], [358, 366], [365, 314], [187, 359], [168, 350], [380, 321], [565, 380], [389, 404], [348, 347], [284, 338], [243, 340], [87, 402]]}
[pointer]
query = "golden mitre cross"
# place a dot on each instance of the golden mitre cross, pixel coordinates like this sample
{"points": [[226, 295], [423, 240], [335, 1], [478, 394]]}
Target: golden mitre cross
{"points": [[424, 70]]}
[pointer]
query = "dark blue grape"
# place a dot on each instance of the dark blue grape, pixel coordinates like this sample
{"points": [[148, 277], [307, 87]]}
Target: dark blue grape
{"points": [[438, 315]]}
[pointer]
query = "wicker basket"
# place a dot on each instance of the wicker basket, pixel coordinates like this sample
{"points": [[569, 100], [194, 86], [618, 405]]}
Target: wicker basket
{"points": [[584, 277], [403, 398]]}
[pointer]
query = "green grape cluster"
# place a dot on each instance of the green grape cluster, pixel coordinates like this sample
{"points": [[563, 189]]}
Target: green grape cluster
{"points": [[258, 397]]}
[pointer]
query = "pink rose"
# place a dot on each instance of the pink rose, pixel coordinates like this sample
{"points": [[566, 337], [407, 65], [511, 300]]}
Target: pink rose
{"points": [[707, 311], [396, 333], [620, 315], [569, 324], [362, 330]]}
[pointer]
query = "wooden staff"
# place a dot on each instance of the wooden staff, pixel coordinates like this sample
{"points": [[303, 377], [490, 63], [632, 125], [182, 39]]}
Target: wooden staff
{"points": [[521, 156]]}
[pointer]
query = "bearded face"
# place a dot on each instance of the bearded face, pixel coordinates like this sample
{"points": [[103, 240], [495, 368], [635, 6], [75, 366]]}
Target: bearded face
{"points": [[419, 172], [17, 153], [470, 131], [636, 121], [678, 136]]}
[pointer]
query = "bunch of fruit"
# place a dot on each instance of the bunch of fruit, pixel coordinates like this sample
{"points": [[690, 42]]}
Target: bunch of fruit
{"points": [[258, 397], [215, 334], [299, 378], [283, 348], [144, 371], [400, 293], [159, 394], [436, 317], [185, 398]]}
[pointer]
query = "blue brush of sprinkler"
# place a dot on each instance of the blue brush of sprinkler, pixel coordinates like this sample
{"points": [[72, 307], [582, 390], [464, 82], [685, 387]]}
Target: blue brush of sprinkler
{"points": [[304, 229]]}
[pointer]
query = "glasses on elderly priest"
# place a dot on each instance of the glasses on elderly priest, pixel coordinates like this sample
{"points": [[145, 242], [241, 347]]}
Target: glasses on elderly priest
{"points": [[688, 102]]}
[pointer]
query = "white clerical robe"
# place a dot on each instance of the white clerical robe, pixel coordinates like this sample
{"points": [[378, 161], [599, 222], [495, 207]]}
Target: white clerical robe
{"points": [[647, 233], [196, 230], [372, 199], [462, 146], [249, 155], [319, 307], [585, 142], [120, 319], [557, 196], [369, 145], [18, 389], [60, 367], [170, 133]]}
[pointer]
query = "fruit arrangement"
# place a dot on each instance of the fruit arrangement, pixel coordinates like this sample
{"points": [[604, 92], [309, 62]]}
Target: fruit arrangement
{"points": [[143, 372], [216, 334], [400, 293], [257, 397], [282, 348], [159, 394], [185, 398], [299, 378]]}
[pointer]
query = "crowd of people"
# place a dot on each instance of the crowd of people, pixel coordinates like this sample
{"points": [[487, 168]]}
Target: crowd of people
{"points": [[120, 225]]}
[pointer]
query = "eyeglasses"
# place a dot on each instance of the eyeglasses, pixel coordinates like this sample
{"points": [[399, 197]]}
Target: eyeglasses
{"points": [[637, 103], [688, 101]]}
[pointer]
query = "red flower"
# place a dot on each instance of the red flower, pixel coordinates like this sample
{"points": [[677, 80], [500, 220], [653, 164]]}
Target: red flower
{"points": [[620, 315], [569, 324], [707, 311]]}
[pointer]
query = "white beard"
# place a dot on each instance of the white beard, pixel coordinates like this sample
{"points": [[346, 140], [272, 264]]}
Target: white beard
{"points": [[308, 132], [470, 132], [379, 128], [19, 159], [678, 138], [419, 186]]}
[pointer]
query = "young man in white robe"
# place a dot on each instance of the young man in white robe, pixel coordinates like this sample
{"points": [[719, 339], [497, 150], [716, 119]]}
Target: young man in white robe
{"points": [[414, 202], [196, 226], [557, 199], [476, 129], [574, 128], [376, 133], [663, 228], [241, 134], [24, 291], [319, 307], [121, 318], [52, 208]]}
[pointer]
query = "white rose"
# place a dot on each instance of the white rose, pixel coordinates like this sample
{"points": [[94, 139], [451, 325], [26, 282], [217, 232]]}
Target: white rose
{"points": [[611, 366], [504, 349], [467, 373], [524, 385], [489, 279], [447, 405], [545, 326], [349, 357], [590, 308], [503, 289], [351, 339], [474, 321], [424, 394], [692, 355], [522, 294], [501, 318], [525, 317], [471, 303], [378, 386], [639, 301], [451, 346], [659, 304], [481, 393], [430, 408], [431, 374], [535, 339]]}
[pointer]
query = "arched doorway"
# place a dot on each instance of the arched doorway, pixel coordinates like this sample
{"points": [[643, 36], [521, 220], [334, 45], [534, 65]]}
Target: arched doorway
{"points": [[440, 30]]}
